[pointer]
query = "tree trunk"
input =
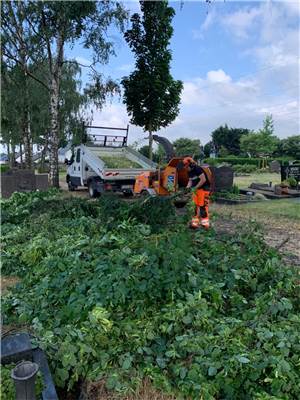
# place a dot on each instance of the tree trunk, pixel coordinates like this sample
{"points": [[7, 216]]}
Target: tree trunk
{"points": [[56, 72], [27, 143], [8, 152], [13, 156], [21, 155], [150, 145], [43, 156], [53, 137]]}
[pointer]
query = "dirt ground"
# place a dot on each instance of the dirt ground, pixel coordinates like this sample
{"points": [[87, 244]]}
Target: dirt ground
{"points": [[282, 234], [98, 391]]}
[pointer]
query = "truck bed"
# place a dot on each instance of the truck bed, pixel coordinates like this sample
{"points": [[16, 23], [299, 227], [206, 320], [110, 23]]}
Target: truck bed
{"points": [[100, 158]]}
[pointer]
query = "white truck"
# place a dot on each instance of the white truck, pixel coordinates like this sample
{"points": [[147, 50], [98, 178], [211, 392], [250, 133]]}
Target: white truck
{"points": [[105, 163]]}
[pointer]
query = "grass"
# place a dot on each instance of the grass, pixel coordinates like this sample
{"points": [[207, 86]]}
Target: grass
{"points": [[265, 177], [287, 209], [277, 209]]}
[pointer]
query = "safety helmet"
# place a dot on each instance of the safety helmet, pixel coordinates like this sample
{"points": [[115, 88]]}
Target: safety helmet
{"points": [[187, 161]]}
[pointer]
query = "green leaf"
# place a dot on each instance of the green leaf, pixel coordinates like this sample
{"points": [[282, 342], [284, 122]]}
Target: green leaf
{"points": [[243, 360], [127, 362], [212, 371]]}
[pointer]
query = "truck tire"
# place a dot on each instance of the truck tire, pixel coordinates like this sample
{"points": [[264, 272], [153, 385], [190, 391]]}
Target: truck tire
{"points": [[92, 191], [71, 187], [128, 194]]}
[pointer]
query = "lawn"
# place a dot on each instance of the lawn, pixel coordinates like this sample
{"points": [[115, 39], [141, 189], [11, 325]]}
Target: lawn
{"points": [[282, 209], [265, 177], [262, 211]]}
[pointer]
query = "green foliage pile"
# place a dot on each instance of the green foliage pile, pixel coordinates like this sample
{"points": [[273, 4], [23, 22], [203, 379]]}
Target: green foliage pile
{"points": [[119, 162], [7, 387], [124, 291]]}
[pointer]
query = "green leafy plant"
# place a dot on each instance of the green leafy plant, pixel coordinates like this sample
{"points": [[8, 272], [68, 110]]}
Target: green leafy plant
{"points": [[292, 182], [121, 291]]}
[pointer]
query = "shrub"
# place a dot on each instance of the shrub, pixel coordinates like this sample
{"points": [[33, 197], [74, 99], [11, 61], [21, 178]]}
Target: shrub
{"points": [[4, 167], [234, 161], [246, 168], [292, 182]]}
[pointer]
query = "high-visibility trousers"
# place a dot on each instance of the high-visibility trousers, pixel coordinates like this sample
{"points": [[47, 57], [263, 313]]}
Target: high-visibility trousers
{"points": [[201, 200]]}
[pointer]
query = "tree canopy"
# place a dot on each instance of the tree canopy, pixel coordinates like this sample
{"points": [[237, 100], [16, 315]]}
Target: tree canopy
{"points": [[228, 139], [187, 147], [262, 143], [290, 147]]}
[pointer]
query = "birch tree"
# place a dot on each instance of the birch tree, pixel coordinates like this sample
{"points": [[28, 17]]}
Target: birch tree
{"points": [[44, 29]]}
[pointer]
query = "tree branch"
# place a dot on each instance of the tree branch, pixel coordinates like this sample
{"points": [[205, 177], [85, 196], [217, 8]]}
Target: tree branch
{"points": [[81, 65], [48, 43], [8, 55]]}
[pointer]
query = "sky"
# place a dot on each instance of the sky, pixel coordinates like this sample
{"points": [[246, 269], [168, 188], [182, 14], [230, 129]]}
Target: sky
{"points": [[238, 61]]}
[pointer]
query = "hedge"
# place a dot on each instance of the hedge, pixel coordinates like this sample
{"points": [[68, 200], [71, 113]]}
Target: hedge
{"points": [[234, 160], [258, 162]]}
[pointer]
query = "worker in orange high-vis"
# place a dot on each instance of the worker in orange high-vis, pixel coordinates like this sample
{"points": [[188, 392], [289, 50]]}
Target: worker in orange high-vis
{"points": [[200, 183]]}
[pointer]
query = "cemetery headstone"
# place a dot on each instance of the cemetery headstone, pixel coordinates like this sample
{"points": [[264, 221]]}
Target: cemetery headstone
{"points": [[223, 178], [290, 171], [275, 166]]}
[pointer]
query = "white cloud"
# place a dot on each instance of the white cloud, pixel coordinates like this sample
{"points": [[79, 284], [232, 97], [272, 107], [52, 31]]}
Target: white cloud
{"points": [[218, 76], [209, 20], [190, 93], [242, 21], [292, 7]]}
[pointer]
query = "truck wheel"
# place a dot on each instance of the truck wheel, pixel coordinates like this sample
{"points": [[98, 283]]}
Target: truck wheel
{"points": [[71, 187], [128, 194], [92, 191], [145, 194]]}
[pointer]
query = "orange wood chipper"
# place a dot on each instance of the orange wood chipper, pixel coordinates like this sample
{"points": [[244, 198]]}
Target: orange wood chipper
{"points": [[164, 181]]}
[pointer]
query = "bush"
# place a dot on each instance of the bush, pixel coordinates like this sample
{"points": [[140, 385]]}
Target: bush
{"points": [[291, 182], [246, 168], [4, 167], [234, 161]]}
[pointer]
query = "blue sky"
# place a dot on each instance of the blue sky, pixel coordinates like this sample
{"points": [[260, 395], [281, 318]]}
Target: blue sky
{"points": [[238, 61]]}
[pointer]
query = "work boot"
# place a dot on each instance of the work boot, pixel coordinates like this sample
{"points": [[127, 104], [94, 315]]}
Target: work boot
{"points": [[195, 223]]}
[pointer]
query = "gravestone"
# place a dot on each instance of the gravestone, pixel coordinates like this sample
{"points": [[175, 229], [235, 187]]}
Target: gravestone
{"points": [[223, 178], [275, 166], [290, 171], [41, 182]]}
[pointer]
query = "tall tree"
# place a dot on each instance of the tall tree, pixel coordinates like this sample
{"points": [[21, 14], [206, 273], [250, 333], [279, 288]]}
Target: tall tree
{"points": [[262, 143], [10, 115], [151, 94], [228, 138], [290, 147], [187, 147], [50, 26], [17, 48]]}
